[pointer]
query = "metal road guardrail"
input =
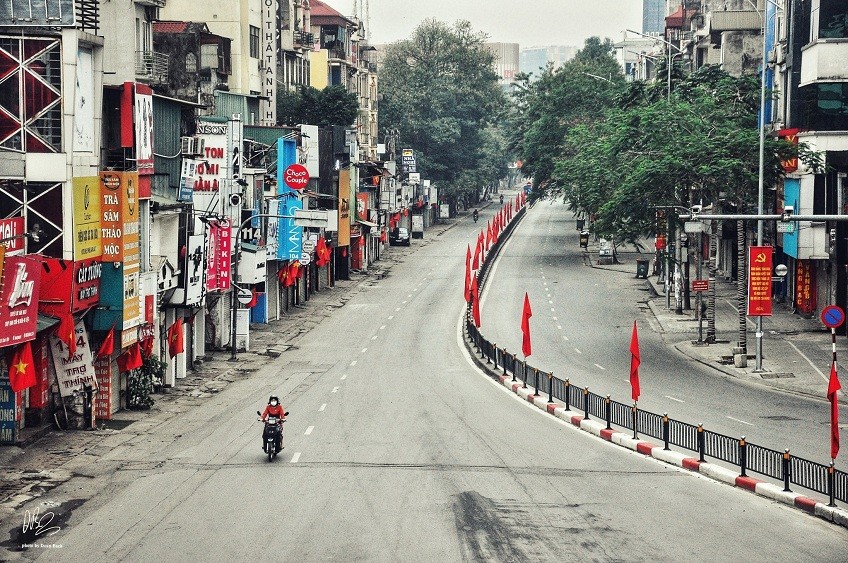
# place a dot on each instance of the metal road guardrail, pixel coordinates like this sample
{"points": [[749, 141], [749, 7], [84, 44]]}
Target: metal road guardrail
{"points": [[780, 465]]}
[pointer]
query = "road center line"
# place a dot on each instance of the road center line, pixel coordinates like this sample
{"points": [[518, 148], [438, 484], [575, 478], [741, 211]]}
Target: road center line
{"points": [[344, 377], [564, 337], [364, 350], [309, 431], [674, 399], [295, 457], [374, 337], [391, 317], [335, 390], [353, 363], [578, 350], [559, 327], [324, 406], [396, 310], [600, 367], [742, 421], [383, 327]]}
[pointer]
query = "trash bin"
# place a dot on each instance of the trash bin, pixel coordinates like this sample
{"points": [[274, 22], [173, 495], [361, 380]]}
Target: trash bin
{"points": [[584, 239], [642, 268]]}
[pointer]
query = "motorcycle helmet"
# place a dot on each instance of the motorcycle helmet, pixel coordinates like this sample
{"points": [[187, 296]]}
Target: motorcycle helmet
{"points": [[273, 398]]}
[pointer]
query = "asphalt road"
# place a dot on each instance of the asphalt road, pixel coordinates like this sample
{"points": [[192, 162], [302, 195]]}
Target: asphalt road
{"points": [[581, 328], [397, 448]]}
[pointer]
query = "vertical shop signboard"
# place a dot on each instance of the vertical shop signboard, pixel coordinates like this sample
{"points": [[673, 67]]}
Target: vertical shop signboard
{"points": [[219, 251], [805, 298], [344, 207], [132, 257], [87, 202], [759, 281], [290, 235], [103, 398], [8, 406], [143, 119], [111, 233], [212, 170]]}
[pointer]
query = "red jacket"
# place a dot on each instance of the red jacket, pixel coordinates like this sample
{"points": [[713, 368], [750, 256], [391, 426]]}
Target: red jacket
{"points": [[274, 411]]}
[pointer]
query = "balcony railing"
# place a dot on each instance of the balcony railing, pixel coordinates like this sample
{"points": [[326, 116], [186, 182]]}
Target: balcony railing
{"points": [[88, 15], [151, 65], [304, 38]]}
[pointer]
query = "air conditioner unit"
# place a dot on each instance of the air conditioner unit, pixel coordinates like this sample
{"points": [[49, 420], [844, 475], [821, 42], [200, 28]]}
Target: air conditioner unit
{"points": [[192, 146]]}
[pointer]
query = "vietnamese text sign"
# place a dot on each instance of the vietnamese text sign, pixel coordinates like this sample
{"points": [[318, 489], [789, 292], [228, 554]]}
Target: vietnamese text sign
{"points": [[19, 300], [87, 200], [72, 372], [111, 233], [103, 399], [759, 281], [12, 232], [213, 168], [8, 420], [219, 250], [131, 251]]}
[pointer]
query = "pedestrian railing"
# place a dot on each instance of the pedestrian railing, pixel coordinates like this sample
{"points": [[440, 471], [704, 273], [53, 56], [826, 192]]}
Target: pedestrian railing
{"points": [[779, 465]]}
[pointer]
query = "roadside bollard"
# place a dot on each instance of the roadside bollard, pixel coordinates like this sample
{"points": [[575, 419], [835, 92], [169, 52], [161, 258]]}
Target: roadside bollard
{"points": [[830, 482], [787, 470], [665, 431], [524, 374], [701, 445], [567, 395], [635, 421], [497, 351], [513, 367], [536, 380], [586, 403], [608, 411], [551, 387], [743, 456]]}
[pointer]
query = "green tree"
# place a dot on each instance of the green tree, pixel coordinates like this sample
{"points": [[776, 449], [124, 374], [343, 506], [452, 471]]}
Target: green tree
{"points": [[331, 106], [440, 93]]}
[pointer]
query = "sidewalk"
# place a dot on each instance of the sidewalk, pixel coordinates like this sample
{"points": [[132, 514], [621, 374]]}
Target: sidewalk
{"points": [[796, 351]]}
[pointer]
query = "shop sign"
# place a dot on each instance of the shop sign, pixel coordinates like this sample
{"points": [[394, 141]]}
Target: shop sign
{"points": [[344, 207], [307, 152], [268, 70], [188, 176], [119, 212], [8, 406], [805, 297], [12, 234], [19, 300], [194, 270], [87, 201], [219, 251], [143, 118], [103, 398], [790, 136], [291, 235], [73, 371], [68, 287], [213, 170]]}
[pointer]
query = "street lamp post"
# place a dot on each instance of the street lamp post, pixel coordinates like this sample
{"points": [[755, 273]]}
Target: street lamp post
{"points": [[670, 59], [237, 258]]}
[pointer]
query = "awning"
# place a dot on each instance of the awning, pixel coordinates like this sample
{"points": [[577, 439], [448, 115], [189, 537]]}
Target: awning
{"points": [[367, 223], [43, 322]]}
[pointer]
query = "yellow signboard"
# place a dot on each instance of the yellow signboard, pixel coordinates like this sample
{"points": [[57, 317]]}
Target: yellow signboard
{"points": [[344, 207], [86, 196], [131, 252]]}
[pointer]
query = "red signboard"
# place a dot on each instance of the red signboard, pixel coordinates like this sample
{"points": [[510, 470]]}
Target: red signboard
{"points": [[296, 176], [19, 300], [700, 285], [805, 295], [759, 281], [219, 250], [12, 233], [69, 287], [790, 136]]}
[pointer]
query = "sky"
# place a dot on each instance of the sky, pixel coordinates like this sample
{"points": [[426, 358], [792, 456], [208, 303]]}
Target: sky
{"points": [[528, 23]]}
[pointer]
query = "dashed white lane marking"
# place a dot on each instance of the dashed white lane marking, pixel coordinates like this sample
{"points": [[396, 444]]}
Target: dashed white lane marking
{"points": [[344, 377], [742, 421], [295, 457], [383, 327], [403, 302], [564, 337], [321, 409], [408, 296], [374, 337], [559, 327], [391, 317], [309, 431], [578, 350], [364, 350], [554, 318], [599, 366], [550, 303], [353, 363], [674, 399], [335, 390], [396, 310], [553, 310]]}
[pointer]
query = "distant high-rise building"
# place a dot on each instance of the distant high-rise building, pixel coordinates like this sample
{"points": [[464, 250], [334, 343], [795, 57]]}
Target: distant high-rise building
{"points": [[531, 59], [653, 16], [506, 62]]}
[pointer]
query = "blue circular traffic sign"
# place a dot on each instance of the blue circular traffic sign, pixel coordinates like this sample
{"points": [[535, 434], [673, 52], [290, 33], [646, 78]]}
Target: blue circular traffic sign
{"points": [[832, 316]]}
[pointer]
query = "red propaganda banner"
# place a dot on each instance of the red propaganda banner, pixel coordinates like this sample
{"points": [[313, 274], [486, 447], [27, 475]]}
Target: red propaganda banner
{"points": [[759, 281], [19, 300]]}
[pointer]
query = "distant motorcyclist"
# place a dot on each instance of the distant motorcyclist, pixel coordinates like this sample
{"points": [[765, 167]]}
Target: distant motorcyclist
{"points": [[274, 408], [476, 215], [501, 198]]}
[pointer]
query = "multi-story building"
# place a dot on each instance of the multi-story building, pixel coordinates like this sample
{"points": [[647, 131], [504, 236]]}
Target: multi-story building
{"points": [[533, 59], [653, 16], [506, 63]]}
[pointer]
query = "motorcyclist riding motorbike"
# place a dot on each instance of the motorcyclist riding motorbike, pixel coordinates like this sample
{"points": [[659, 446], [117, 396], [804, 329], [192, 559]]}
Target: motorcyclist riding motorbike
{"points": [[501, 198], [476, 215], [275, 409]]}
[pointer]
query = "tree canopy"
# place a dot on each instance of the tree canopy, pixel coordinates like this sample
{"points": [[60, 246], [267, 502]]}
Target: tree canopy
{"points": [[440, 92], [331, 106]]}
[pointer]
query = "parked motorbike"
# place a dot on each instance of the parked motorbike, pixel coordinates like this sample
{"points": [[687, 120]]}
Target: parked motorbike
{"points": [[272, 435]]}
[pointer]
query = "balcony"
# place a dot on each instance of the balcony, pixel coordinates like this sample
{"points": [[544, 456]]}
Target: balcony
{"points": [[304, 39], [824, 61], [88, 15], [151, 66]]}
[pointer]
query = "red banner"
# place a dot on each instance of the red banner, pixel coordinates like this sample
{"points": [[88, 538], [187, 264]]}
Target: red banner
{"points": [[219, 250], [790, 136], [759, 281], [12, 233]]}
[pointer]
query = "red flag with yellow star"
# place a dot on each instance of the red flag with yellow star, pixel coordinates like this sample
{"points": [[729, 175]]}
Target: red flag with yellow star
{"points": [[22, 368], [67, 333], [176, 345]]}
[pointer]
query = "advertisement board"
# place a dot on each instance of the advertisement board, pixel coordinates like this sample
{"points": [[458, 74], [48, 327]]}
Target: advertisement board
{"points": [[87, 202], [19, 300], [73, 371], [344, 207], [12, 232], [143, 119], [213, 170], [8, 421], [759, 281]]}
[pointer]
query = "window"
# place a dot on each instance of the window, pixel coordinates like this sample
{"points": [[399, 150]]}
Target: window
{"points": [[254, 42], [833, 19], [191, 63], [825, 107]]}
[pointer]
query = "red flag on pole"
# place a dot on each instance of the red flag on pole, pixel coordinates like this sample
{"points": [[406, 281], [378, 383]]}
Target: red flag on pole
{"points": [[476, 264], [635, 360], [130, 359], [22, 368], [832, 387], [475, 302], [525, 327], [467, 274], [175, 338], [108, 345], [488, 235], [66, 332]]}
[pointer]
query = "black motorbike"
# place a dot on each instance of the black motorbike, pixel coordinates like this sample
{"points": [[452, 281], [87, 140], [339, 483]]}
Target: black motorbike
{"points": [[272, 435], [475, 215]]}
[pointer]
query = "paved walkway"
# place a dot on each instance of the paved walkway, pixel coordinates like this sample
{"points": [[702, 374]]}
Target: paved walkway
{"points": [[797, 351]]}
